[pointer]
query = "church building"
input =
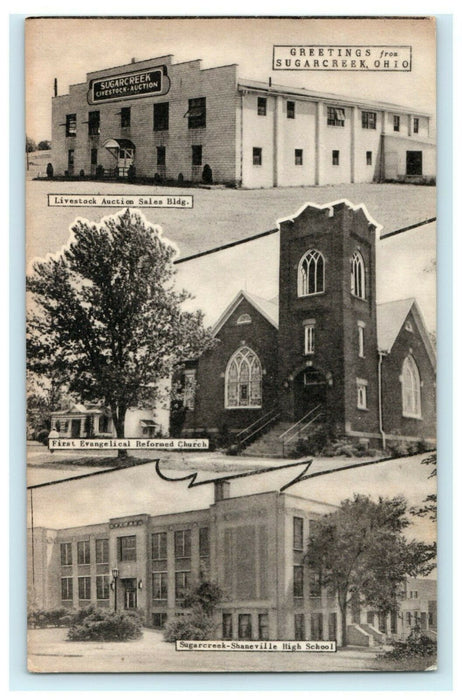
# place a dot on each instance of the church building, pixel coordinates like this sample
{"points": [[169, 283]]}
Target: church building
{"points": [[323, 351]]}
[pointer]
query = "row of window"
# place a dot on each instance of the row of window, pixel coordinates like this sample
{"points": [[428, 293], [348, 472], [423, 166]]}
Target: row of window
{"points": [[84, 587], [160, 585], [314, 582], [83, 552], [336, 117], [257, 156], [311, 274], [196, 115]]}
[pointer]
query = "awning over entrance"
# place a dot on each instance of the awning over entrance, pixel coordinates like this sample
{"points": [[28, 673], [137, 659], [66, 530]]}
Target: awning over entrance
{"points": [[148, 423], [119, 144]]}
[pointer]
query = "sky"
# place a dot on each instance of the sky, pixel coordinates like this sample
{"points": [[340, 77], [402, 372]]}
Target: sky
{"points": [[67, 49]]}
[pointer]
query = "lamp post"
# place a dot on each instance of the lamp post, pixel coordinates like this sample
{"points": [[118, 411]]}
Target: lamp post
{"points": [[115, 576]]}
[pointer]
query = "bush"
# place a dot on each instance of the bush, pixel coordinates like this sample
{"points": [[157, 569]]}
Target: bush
{"points": [[180, 178], [416, 645], [131, 174], [193, 625], [58, 617], [42, 436], [82, 173], [207, 175], [50, 170], [99, 171], [107, 626]]}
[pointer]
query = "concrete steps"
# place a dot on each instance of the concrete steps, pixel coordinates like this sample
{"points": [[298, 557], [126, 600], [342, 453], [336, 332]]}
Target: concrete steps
{"points": [[269, 444]]}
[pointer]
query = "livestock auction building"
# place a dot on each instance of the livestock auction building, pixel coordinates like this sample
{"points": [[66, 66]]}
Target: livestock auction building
{"points": [[170, 120]]}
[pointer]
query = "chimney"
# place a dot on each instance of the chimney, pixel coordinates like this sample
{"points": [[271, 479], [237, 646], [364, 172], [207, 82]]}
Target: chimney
{"points": [[133, 60], [269, 82], [222, 490], [56, 87]]}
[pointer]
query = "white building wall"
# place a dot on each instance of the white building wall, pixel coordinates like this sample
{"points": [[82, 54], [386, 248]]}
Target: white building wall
{"points": [[335, 138], [257, 132]]}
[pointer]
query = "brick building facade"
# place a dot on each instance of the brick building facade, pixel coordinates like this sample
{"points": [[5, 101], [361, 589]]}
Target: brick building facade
{"points": [[169, 119], [323, 349]]}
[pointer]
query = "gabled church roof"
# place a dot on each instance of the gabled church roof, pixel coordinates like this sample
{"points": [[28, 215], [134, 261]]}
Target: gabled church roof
{"points": [[268, 308], [390, 319]]}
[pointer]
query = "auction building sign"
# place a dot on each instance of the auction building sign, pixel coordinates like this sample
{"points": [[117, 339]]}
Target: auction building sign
{"points": [[153, 81]]}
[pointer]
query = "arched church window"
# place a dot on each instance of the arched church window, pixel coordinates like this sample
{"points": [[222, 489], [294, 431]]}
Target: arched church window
{"points": [[243, 380], [410, 387], [358, 276], [243, 319], [311, 273]]}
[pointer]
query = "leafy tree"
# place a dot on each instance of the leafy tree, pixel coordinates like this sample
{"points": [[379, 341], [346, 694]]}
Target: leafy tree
{"points": [[106, 318], [30, 145], [361, 553], [44, 145], [429, 507], [198, 623]]}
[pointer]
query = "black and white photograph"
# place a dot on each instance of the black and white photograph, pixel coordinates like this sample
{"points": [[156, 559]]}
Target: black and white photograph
{"points": [[231, 344]]}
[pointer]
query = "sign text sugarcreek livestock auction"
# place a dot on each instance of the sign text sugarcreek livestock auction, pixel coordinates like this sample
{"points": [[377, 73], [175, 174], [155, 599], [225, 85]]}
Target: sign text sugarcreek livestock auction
{"points": [[153, 81]]}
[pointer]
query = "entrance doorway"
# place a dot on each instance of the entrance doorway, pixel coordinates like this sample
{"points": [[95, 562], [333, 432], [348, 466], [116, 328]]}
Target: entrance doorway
{"points": [[414, 163], [123, 151], [129, 589], [75, 428], [310, 388]]}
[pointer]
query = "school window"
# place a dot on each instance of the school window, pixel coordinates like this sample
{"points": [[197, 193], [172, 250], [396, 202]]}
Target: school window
{"points": [[261, 107], [181, 584], [335, 116], [182, 544], [94, 156], [66, 553], [102, 587], [159, 545], [309, 338], [196, 155], [159, 620], [290, 110], [66, 588], [368, 157], [245, 626], [93, 123], [360, 339], [257, 156], [83, 552], [159, 585], [102, 551], [408, 619], [161, 155], [126, 548], [396, 123], [71, 124], [315, 584], [197, 115], [298, 581], [298, 156], [335, 157], [416, 126], [125, 117], [84, 588], [227, 626], [369, 120], [299, 626], [393, 622], [263, 626], [204, 545], [361, 394], [298, 533], [161, 114], [311, 273]]}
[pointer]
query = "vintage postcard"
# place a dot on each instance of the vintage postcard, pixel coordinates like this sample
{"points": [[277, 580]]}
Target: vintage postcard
{"points": [[231, 344]]}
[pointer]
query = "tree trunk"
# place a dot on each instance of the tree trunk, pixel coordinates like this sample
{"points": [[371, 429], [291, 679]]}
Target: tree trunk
{"points": [[118, 417], [343, 615]]}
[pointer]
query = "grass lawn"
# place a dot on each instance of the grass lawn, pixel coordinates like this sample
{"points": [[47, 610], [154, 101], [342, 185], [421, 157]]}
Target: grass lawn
{"points": [[414, 663]]}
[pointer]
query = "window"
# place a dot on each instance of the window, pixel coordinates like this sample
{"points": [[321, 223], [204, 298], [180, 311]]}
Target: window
{"points": [[335, 116], [204, 545], [243, 380], [261, 107], [181, 584], [393, 622], [227, 626], [257, 156], [309, 327], [70, 159], [415, 127], [245, 626], [361, 326], [316, 626], [83, 552], [298, 533], [368, 157], [361, 394], [196, 155], [66, 588], [396, 123], [84, 588], [315, 584], [94, 156], [102, 551], [382, 622], [159, 620], [93, 123], [125, 117], [66, 553], [311, 274], [290, 110], [102, 587], [335, 157], [161, 155], [71, 124], [182, 544], [408, 327], [196, 113], [127, 548], [161, 114], [410, 386], [298, 156], [243, 319], [299, 626], [189, 389], [159, 585], [358, 281], [159, 545], [369, 120], [409, 619], [298, 581], [370, 617], [263, 626]]}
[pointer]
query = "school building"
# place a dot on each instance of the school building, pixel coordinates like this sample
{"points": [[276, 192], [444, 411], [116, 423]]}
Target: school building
{"points": [[178, 121]]}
